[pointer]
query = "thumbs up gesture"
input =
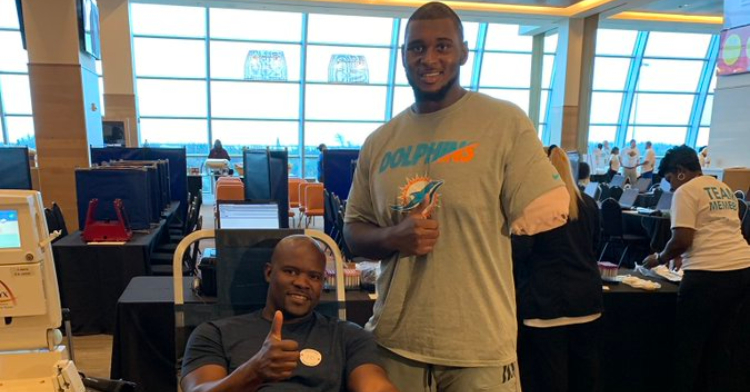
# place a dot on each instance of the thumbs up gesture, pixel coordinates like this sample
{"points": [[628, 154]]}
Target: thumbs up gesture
{"points": [[278, 358], [417, 234]]}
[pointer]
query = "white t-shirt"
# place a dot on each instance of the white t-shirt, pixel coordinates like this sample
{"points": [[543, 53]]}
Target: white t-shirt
{"points": [[709, 206], [614, 162], [599, 160], [649, 162], [628, 160]]}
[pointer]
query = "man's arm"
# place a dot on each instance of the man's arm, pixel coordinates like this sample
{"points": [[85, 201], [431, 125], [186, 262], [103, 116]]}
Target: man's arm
{"points": [[415, 235], [370, 378], [275, 361], [214, 378]]}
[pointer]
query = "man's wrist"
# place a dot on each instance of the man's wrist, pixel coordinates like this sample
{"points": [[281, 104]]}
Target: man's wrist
{"points": [[658, 258]]}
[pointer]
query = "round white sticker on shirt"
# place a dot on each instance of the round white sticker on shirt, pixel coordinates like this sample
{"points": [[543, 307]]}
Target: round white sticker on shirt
{"points": [[310, 357]]}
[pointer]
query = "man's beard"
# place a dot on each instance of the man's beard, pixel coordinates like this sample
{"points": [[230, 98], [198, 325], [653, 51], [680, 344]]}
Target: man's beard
{"points": [[437, 96]]}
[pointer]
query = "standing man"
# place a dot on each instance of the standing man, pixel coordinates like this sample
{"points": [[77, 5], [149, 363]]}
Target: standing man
{"points": [[606, 149], [647, 171], [631, 159], [436, 194], [600, 160]]}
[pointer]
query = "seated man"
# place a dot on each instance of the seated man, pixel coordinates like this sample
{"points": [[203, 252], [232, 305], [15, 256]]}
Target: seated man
{"points": [[286, 345]]}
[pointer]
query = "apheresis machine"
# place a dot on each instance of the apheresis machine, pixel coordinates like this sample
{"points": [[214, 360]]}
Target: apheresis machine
{"points": [[32, 358]]}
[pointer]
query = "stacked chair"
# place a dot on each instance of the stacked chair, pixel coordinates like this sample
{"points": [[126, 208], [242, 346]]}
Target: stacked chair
{"points": [[230, 188], [334, 215], [294, 199], [313, 203], [161, 258]]}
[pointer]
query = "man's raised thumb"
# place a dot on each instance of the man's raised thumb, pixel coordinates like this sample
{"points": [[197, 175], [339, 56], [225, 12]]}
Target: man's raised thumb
{"points": [[276, 323], [422, 210]]}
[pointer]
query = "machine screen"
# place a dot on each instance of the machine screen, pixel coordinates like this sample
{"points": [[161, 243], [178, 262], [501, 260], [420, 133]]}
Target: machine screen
{"points": [[9, 232]]}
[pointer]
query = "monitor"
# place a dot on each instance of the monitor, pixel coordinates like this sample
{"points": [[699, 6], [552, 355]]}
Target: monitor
{"points": [[642, 184], [10, 236], [628, 198], [617, 180], [591, 189], [15, 172], [665, 201], [247, 214]]}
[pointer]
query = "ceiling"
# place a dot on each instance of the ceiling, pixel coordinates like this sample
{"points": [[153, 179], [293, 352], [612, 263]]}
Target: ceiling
{"points": [[666, 15], [697, 7]]}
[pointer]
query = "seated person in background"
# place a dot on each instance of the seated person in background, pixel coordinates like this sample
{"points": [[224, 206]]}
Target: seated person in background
{"points": [[286, 346], [584, 174]]}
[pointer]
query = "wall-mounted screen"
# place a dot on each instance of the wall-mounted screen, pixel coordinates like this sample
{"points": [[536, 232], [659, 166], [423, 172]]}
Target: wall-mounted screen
{"points": [[88, 15], [10, 236], [733, 51]]}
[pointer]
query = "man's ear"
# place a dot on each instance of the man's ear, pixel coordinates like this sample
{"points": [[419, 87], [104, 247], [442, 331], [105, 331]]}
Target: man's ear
{"points": [[403, 55], [267, 272], [464, 52]]}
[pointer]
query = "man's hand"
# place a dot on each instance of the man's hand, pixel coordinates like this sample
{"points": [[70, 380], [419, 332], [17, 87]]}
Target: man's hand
{"points": [[417, 234], [277, 358]]}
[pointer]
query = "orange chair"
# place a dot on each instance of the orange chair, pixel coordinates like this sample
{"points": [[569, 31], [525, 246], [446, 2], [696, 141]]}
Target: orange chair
{"points": [[313, 202], [294, 196], [230, 190], [294, 192], [302, 186]]}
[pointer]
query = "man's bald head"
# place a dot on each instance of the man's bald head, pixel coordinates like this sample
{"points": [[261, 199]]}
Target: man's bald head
{"points": [[297, 244]]}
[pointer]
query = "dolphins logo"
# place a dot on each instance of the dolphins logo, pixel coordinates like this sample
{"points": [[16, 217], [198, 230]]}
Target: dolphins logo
{"points": [[415, 192]]}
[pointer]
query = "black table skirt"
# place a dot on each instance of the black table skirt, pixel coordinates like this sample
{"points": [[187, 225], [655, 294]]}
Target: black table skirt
{"points": [[635, 341], [92, 277]]}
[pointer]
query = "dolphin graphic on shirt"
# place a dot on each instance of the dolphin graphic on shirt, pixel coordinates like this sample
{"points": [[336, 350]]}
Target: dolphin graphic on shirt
{"points": [[417, 197]]}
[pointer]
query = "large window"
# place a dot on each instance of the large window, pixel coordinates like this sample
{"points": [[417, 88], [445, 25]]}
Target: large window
{"points": [[239, 76], [16, 121], [647, 87], [295, 80]]}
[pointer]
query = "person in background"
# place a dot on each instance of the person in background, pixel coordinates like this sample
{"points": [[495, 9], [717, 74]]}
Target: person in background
{"points": [[649, 163], [631, 159], [286, 346], [436, 192], [558, 334], [321, 148], [703, 158], [606, 149], [600, 159], [712, 329], [584, 174], [218, 151], [614, 163]]}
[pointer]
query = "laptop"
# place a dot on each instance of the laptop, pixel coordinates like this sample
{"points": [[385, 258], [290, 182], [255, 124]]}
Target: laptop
{"points": [[591, 189], [665, 185], [642, 184], [628, 198], [617, 180], [665, 201], [662, 206], [247, 214]]}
